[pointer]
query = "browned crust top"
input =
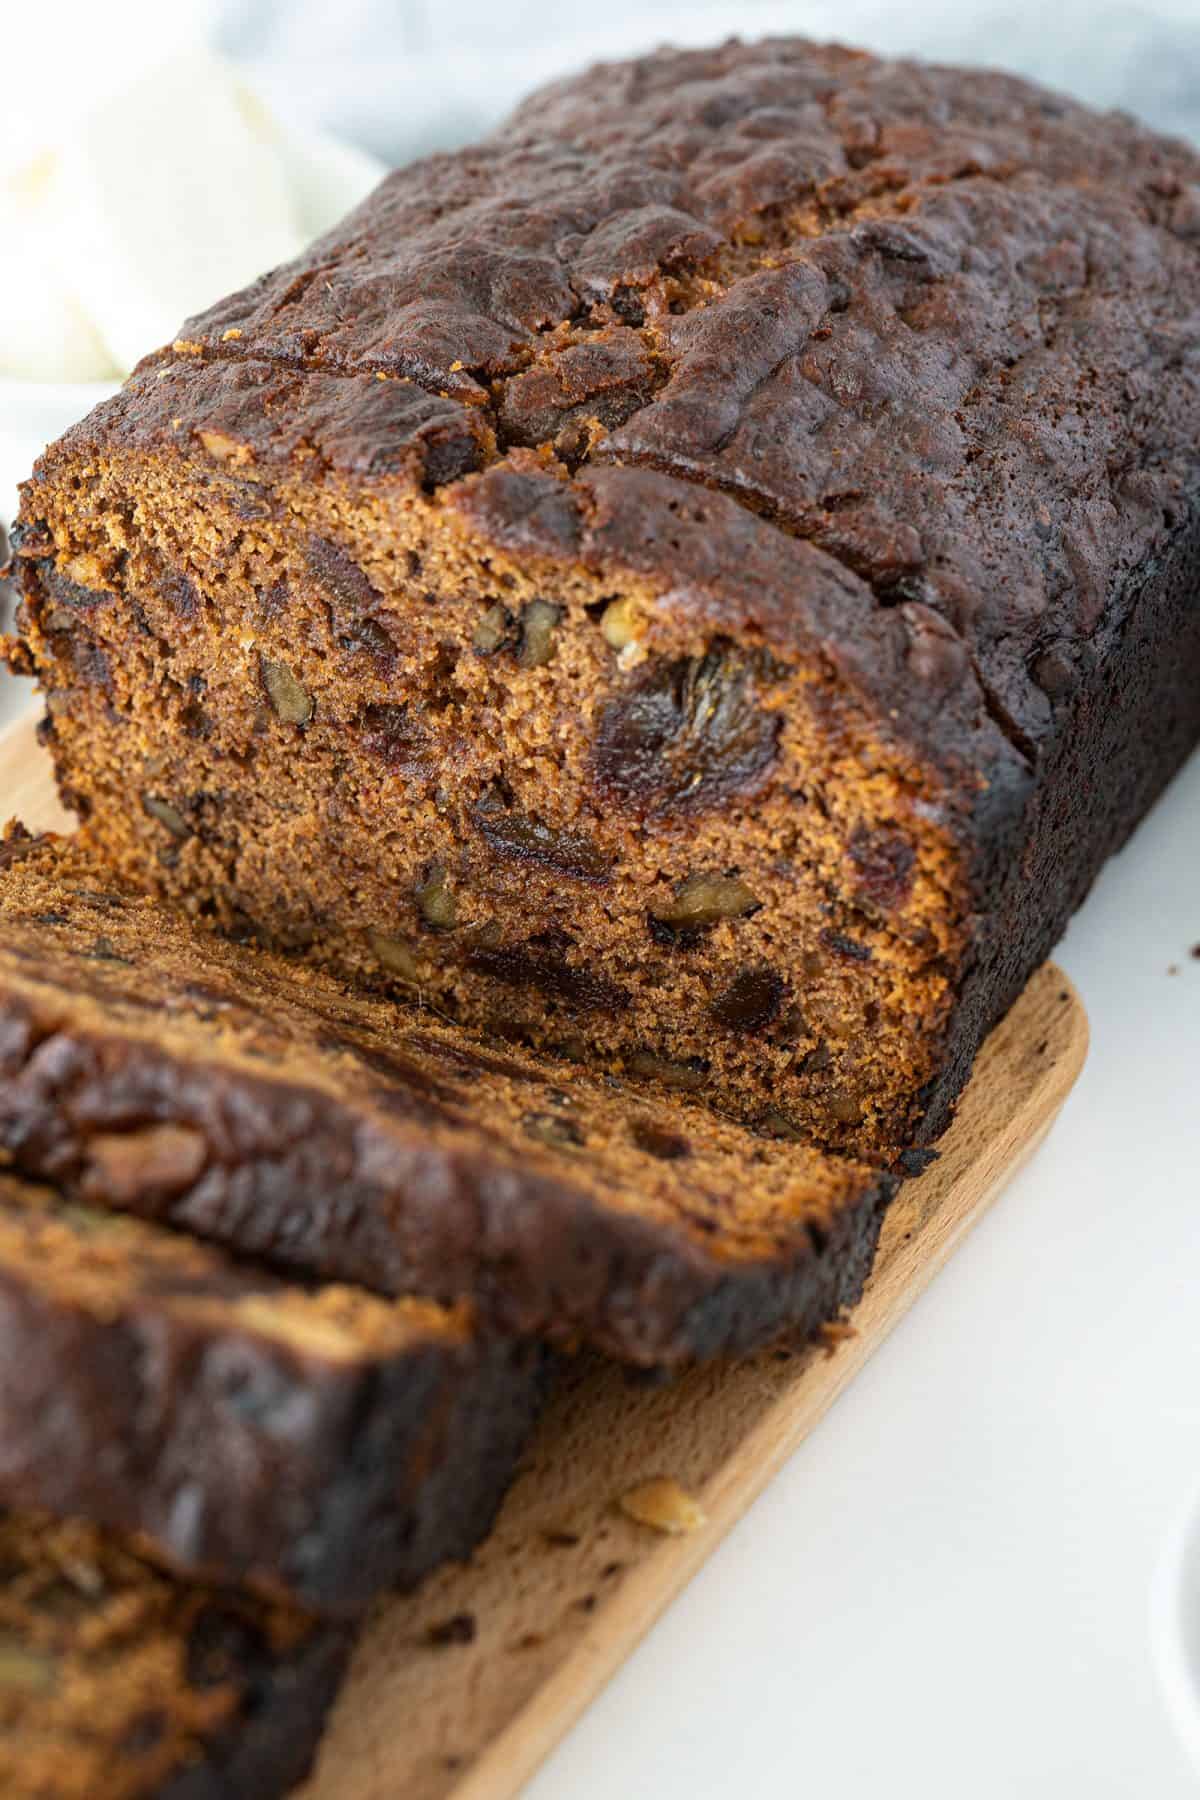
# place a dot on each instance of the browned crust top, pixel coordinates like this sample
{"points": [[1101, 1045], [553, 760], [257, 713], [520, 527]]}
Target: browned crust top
{"points": [[931, 331]]}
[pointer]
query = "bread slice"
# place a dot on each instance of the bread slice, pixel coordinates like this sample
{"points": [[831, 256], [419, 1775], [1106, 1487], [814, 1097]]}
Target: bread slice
{"points": [[316, 1443], [148, 1065], [119, 1683]]}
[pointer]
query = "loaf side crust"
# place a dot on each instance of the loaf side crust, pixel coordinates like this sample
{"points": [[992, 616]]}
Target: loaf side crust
{"points": [[317, 1444]]}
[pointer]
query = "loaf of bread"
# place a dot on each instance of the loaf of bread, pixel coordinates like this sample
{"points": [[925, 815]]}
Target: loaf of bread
{"points": [[150, 1066], [317, 1443], [699, 582], [120, 1683]]}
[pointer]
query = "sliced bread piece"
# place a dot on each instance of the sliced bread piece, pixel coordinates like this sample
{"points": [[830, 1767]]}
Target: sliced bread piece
{"points": [[317, 1443], [147, 1065]]}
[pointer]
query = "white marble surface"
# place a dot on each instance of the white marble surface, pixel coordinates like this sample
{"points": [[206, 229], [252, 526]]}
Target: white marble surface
{"points": [[948, 1591]]}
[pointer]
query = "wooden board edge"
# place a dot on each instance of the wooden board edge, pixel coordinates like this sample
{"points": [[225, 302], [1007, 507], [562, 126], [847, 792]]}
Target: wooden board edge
{"points": [[517, 1752]]}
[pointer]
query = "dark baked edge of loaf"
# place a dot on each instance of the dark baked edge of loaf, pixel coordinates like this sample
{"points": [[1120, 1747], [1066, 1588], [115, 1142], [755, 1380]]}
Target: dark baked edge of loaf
{"points": [[467, 1440], [1125, 732], [270, 1748], [356, 1481]]}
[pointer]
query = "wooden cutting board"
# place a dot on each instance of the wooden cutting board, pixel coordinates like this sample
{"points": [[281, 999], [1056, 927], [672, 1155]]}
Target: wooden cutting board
{"points": [[458, 1692]]}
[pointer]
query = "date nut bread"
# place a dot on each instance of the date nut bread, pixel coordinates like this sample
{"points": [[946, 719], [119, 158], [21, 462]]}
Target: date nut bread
{"points": [[119, 1683], [150, 1066], [701, 579], [318, 1443]]}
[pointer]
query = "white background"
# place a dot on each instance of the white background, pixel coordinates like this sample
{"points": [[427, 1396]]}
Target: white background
{"points": [[947, 1593]]}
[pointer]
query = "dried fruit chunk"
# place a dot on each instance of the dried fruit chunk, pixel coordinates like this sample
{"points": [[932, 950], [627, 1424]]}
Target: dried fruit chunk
{"points": [[751, 1000], [395, 957], [526, 839], [31, 1671], [883, 864], [664, 1506], [290, 702], [554, 1130], [394, 734], [539, 620], [848, 948], [459, 1629], [702, 900], [494, 630], [66, 593], [541, 963], [439, 908], [353, 599], [659, 1140], [686, 735], [776, 1124], [167, 815], [685, 1076]]}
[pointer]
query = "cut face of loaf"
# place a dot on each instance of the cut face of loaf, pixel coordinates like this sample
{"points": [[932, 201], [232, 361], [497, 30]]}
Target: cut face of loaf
{"points": [[699, 582], [520, 787], [316, 1443], [119, 1683], [150, 1066]]}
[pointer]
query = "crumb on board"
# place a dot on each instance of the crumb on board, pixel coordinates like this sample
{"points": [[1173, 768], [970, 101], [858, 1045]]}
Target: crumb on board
{"points": [[834, 1332], [664, 1506]]}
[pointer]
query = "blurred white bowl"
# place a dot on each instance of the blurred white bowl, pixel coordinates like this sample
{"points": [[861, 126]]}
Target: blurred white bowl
{"points": [[1175, 1626], [328, 178]]}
